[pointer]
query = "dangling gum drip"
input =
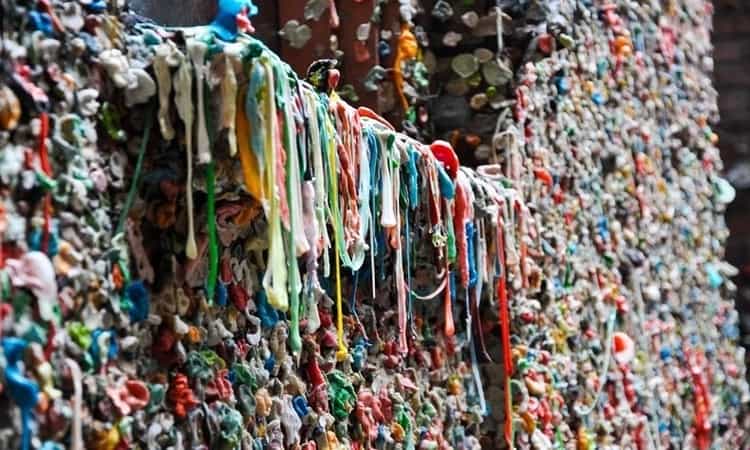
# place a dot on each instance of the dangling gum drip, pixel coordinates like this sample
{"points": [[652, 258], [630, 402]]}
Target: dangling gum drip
{"points": [[504, 317], [395, 242], [349, 149], [388, 214], [280, 163], [461, 213], [275, 278], [311, 260], [334, 20], [324, 184], [76, 433], [47, 169], [520, 213], [702, 399], [197, 51], [183, 85], [229, 102], [480, 253], [293, 170], [321, 240], [407, 49], [342, 353], [297, 242], [374, 146], [250, 129], [450, 328], [213, 249], [310, 220], [248, 161], [164, 80], [365, 189]]}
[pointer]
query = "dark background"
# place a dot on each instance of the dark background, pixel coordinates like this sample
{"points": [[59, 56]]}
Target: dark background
{"points": [[732, 79]]}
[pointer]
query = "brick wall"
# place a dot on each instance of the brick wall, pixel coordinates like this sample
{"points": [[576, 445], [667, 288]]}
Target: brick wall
{"points": [[732, 77]]}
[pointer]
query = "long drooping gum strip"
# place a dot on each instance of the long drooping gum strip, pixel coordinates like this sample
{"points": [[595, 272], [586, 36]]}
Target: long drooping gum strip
{"points": [[197, 51], [504, 316], [297, 239], [294, 183], [248, 161], [319, 179], [387, 213], [76, 432], [183, 85], [164, 80], [229, 102], [313, 233], [275, 278], [399, 270], [450, 328], [342, 353]]}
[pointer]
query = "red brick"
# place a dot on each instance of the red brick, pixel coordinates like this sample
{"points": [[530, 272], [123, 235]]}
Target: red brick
{"points": [[733, 102], [726, 25], [731, 76], [729, 51]]}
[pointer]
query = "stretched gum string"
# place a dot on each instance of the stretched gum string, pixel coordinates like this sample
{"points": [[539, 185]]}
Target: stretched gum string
{"points": [[47, 169], [294, 194], [522, 242], [137, 173], [399, 270], [197, 51], [294, 184], [503, 314], [164, 82], [275, 278], [76, 434], [342, 353], [183, 82], [229, 103], [450, 328], [213, 246]]}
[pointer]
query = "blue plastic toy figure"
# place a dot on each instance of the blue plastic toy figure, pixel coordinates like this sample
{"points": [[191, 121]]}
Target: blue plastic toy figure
{"points": [[233, 17]]}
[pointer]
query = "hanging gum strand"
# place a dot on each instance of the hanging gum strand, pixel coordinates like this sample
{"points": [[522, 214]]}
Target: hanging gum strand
{"points": [[275, 278], [197, 51], [229, 102], [183, 85], [47, 169], [164, 81]]}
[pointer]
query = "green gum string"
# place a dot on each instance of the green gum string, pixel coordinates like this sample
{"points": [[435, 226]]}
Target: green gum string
{"points": [[292, 167], [122, 263], [213, 245], [138, 169], [451, 243], [329, 147]]}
